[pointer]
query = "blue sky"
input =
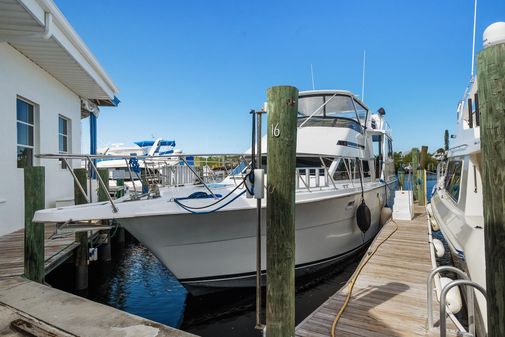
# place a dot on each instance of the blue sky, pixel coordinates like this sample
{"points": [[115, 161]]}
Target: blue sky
{"points": [[190, 71]]}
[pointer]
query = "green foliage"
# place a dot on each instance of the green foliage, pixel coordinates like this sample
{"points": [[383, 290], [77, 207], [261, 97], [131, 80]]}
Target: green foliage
{"points": [[402, 160], [218, 162], [446, 140]]}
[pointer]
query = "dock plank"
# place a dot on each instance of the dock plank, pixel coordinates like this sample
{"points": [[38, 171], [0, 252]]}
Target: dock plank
{"points": [[389, 296], [56, 251]]}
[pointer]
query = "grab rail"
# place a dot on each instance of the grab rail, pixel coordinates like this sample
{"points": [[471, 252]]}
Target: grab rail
{"points": [[470, 297], [468, 284]]}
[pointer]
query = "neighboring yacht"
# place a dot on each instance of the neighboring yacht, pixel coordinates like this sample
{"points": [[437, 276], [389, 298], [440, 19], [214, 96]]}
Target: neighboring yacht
{"points": [[456, 205], [205, 234], [157, 150]]}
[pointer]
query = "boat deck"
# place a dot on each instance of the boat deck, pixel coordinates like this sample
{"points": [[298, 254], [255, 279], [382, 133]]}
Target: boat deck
{"points": [[389, 296], [57, 251]]}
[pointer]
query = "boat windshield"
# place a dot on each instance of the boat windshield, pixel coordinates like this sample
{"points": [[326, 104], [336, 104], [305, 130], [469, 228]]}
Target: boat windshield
{"points": [[328, 105]]}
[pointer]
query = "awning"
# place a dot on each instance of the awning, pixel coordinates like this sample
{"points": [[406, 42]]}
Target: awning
{"points": [[38, 30]]}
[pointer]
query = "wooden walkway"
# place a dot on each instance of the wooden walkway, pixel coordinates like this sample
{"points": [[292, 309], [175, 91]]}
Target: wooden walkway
{"points": [[12, 251], [389, 297]]}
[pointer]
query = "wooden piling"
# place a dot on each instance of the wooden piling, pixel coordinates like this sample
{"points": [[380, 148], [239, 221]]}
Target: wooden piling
{"points": [[281, 139], [34, 180], [82, 176], [104, 250], [421, 196], [102, 192], [415, 165], [491, 79], [401, 178], [81, 256]]}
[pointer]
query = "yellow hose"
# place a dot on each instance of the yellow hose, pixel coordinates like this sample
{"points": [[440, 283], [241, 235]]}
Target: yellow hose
{"points": [[355, 277]]}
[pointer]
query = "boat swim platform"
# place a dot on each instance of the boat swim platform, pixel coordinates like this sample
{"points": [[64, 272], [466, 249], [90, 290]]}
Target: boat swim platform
{"points": [[44, 311], [56, 251], [389, 297]]}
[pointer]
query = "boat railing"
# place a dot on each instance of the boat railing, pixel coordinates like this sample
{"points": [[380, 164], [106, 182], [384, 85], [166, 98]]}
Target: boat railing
{"points": [[170, 170], [465, 280]]}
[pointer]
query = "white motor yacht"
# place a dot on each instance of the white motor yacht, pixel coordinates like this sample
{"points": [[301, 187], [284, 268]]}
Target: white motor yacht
{"points": [[456, 205], [206, 234]]}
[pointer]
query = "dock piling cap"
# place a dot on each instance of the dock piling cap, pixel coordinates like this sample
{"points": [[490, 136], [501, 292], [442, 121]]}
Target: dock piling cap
{"points": [[494, 34]]}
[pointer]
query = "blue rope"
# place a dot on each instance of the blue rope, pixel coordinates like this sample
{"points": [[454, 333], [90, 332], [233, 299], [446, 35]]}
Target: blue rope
{"points": [[211, 211]]}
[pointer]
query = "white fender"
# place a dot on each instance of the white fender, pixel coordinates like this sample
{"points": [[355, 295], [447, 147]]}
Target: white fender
{"points": [[454, 301], [439, 247], [434, 224], [386, 214]]}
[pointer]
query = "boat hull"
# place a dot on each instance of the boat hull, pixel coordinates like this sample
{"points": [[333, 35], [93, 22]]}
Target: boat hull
{"points": [[466, 245], [218, 250]]}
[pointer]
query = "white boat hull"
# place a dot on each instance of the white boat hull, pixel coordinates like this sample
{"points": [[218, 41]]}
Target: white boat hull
{"points": [[218, 249]]}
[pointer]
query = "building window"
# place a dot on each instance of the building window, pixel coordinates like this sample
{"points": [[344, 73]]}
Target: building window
{"points": [[25, 133], [63, 134]]}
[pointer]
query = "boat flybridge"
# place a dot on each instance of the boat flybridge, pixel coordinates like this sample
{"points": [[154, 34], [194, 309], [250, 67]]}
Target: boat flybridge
{"points": [[206, 233]]}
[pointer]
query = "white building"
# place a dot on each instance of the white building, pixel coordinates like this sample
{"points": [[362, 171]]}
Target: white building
{"points": [[49, 80]]}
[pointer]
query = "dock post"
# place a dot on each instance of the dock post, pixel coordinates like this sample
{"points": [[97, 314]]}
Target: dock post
{"points": [[81, 256], [281, 143], [104, 250], [34, 260], [415, 164], [491, 79], [401, 178], [421, 176]]}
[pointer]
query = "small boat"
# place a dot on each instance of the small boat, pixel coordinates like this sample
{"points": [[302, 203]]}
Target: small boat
{"points": [[456, 204], [130, 171], [206, 234]]}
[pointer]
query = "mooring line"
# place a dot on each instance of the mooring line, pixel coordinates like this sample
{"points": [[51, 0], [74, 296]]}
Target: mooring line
{"points": [[355, 278]]}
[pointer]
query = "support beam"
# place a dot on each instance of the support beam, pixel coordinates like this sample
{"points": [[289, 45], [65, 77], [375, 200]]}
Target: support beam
{"points": [[281, 131], [34, 260], [491, 79]]}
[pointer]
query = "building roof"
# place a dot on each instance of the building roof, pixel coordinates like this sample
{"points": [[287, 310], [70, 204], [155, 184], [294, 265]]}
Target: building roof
{"points": [[38, 30]]}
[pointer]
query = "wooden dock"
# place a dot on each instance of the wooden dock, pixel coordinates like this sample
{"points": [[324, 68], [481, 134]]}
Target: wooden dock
{"points": [[56, 251], [43, 311], [389, 296]]}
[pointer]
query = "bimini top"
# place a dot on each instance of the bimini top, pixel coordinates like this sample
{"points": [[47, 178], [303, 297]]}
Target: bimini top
{"points": [[144, 143]]}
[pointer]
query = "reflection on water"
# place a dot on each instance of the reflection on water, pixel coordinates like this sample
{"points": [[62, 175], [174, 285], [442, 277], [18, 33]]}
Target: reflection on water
{"points": [[136, 282]]}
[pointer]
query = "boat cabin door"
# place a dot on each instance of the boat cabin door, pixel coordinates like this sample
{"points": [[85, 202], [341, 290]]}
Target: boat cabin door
{"points": [[378, 146]]}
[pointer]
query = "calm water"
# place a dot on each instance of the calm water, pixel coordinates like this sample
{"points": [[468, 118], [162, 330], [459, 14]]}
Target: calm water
{"points": [[136, 282]]}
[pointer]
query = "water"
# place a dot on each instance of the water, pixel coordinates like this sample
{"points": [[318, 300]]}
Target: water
{"points": [[136, 282]]}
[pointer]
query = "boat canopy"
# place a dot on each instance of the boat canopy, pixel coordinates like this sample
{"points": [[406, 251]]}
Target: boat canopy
{"points": [[145, 143]]}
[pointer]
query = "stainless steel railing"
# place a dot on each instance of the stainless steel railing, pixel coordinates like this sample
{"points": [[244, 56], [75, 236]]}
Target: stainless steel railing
{"points": [[469, 297]]}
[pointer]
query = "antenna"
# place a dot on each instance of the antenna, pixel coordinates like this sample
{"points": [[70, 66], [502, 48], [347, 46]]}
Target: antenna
{"points": [[312, 74], [473, 42], [363, 77]]}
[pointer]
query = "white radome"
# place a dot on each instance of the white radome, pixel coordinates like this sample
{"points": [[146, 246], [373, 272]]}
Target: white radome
{"points": [[494, 34]]}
